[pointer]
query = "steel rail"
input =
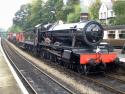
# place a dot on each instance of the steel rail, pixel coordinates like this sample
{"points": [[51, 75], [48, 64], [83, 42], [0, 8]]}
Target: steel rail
{"points": [[106, 86], [43, 72], [71, 92], [103, 85], [113, 77], [18, 71]]}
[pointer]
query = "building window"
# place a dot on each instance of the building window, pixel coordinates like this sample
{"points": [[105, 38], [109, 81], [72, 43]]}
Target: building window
{"points": [[122, 35], [111, 13], [101, 15], [111, 34], [122, 32], [105, 15]]}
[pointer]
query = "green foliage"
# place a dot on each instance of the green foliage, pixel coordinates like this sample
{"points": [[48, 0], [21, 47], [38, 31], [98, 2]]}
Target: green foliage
{"points": [[55, 10], [120, 19], [21, 16], [36, 12], [119, 9], [60, 12], [74, 16], [111, 21], [73, 2], [48, 12], [94, 9], [15, 28]]}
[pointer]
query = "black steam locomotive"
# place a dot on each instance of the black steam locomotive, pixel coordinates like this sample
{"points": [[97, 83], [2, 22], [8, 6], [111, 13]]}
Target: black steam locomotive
{"points": [[73, 45]]}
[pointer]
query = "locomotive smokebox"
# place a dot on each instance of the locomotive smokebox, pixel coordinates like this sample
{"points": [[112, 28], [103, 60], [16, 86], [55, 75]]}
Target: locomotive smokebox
{"points": [[93, 33], [83, 33]]}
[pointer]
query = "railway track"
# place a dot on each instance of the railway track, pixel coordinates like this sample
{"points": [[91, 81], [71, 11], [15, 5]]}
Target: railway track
{"points": [[121, 78], [107, 81], [110, 83], [35, 80]]}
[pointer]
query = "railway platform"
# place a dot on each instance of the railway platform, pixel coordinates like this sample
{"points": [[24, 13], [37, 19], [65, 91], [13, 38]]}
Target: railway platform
{"points": [[122, 58], [8, 80]]}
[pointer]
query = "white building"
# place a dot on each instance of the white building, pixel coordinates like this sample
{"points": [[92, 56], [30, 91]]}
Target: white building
{"points": [[106, 12]]}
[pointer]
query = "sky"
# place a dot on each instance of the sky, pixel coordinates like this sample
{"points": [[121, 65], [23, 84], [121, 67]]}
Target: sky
{"points": [[7, 10]]}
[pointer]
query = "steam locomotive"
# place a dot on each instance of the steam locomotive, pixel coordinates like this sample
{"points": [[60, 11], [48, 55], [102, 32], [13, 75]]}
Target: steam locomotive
{"points": [[73, 45]]}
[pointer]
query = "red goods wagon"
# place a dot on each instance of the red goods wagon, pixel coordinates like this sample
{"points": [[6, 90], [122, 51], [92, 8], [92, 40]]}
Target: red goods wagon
{"points": [[12, 36], [21, 37], [17, 37]]}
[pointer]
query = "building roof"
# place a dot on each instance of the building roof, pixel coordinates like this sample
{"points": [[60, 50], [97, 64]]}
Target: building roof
{"points": [[108, 5], [118, 27]]}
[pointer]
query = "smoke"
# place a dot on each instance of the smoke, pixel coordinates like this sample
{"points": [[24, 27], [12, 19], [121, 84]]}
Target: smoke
{"points": [[85, 4]]}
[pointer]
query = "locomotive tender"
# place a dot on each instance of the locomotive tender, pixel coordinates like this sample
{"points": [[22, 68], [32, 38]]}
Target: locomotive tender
{"points": [[73, 45]]}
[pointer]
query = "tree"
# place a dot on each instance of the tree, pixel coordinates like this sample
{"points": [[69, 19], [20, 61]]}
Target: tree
{"points": [[73, 2], [38, 12], [73, 8], [94, 9], [48, 12], [74, 16], [55, 10], [15, 28], [21, 17], [119, 9]]}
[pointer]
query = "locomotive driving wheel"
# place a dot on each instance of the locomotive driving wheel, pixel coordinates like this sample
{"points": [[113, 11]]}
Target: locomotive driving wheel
{"points": [[35, 52], [79, 69], [82, 69]]}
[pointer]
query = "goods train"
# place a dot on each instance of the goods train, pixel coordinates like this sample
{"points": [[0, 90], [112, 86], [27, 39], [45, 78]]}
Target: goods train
{"points": [[73, 45]]}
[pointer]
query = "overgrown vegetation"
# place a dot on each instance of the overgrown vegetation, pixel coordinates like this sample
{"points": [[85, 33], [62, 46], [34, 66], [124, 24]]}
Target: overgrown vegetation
{"points": [[94, 10], [119, 9]]}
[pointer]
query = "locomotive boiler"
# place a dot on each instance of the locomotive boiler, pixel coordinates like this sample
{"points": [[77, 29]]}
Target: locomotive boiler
{"points": [[88, 33]]}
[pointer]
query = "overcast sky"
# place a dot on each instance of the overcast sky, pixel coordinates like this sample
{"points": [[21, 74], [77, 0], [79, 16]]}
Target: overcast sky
{"points": [[7, 11]]}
